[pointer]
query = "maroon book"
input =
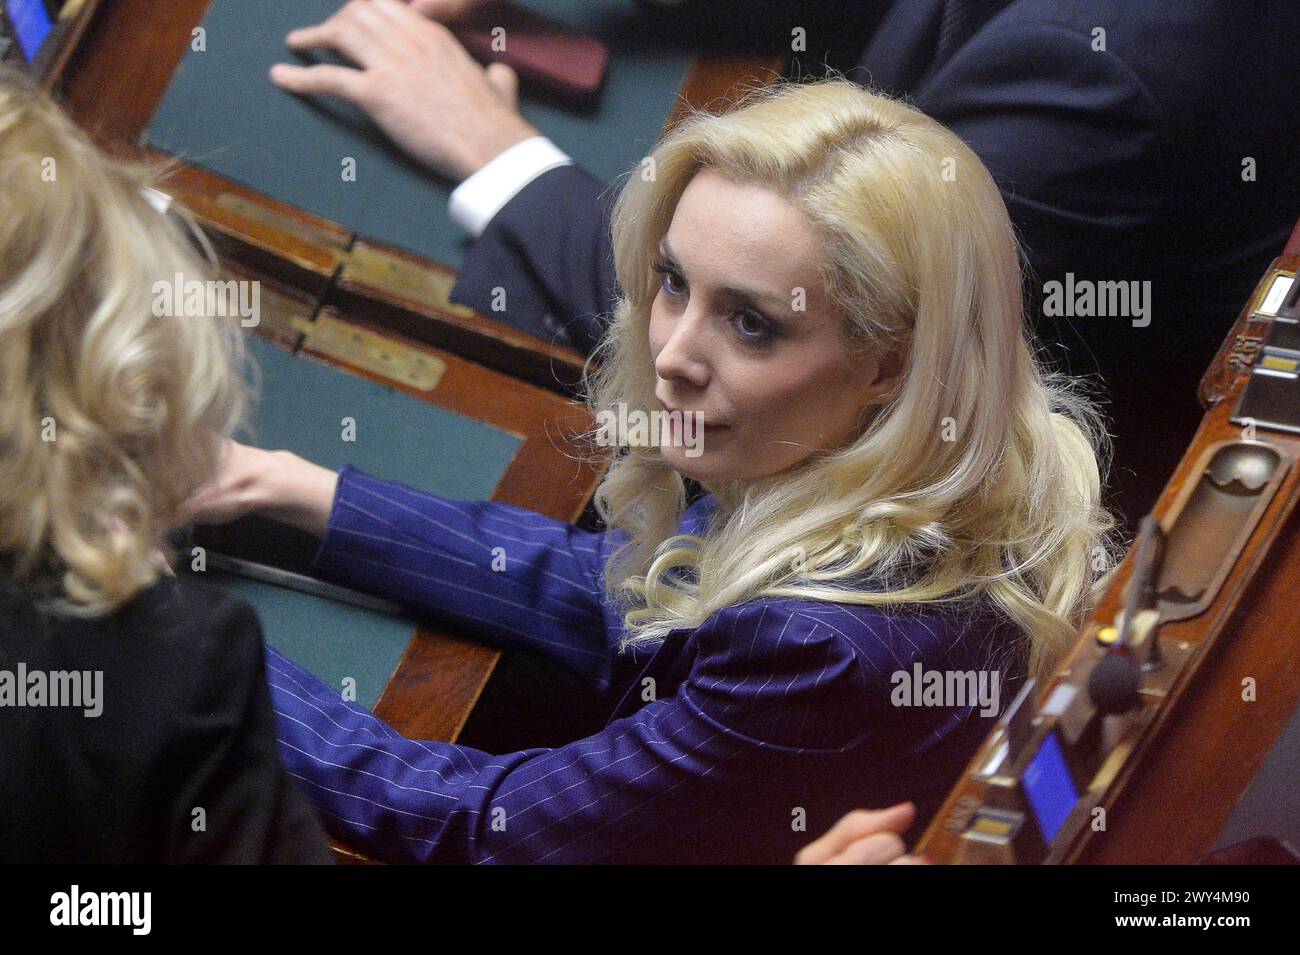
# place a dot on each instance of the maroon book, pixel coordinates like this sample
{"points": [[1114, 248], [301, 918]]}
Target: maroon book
{"points": [[547, 55]]}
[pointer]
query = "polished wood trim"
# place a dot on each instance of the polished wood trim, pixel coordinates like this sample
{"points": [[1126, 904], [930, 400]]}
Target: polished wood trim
{"points": [[120, 71], [73, 34]]}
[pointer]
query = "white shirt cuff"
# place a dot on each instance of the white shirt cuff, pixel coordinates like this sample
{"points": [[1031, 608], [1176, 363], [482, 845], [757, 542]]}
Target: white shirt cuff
{"points": [[480, 197]]}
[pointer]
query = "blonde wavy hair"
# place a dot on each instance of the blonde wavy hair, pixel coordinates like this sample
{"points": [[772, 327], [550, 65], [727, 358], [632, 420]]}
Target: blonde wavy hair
{"points": [[981, 476], [109, 415]]}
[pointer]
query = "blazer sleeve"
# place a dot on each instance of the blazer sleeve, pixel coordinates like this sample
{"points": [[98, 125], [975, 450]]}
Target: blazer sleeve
{"points": [[548, 251], [251, 809], [505, 574], [711, 774]]}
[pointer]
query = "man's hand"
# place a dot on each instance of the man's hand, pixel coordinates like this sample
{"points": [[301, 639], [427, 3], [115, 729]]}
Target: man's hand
{"points": [[415, 81], [864, 837], [446, 11]]}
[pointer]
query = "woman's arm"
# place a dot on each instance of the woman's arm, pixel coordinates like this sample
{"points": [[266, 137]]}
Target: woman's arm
{"points": [[506, 574], [278, 484], [768, 739]]}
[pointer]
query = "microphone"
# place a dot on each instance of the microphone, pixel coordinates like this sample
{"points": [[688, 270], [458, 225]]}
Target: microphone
{"points": [[1115, 683]]}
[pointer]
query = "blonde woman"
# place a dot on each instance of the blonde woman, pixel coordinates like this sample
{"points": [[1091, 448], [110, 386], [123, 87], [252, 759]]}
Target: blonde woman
{"points": [[135, 723], [896, 494]]}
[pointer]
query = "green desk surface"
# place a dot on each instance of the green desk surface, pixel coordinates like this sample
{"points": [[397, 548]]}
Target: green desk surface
{"points": [[336, 642], [301, 408], [305, 406], [223, 113]]}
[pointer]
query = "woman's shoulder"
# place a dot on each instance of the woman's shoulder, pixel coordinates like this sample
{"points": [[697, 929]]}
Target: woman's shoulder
{"points": [[969, 633], [174, 637], [194, 625]]}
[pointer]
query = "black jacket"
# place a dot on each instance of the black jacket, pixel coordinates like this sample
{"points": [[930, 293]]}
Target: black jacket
{"points": [[185, 724]]}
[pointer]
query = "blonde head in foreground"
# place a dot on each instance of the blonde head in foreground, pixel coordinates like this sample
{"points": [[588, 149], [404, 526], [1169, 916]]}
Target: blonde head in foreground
{"points": [[110, 415]]}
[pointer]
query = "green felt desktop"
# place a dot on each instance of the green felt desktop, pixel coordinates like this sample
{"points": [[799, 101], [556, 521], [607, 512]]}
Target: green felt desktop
{"points": [[223, 113], [333, 418]]}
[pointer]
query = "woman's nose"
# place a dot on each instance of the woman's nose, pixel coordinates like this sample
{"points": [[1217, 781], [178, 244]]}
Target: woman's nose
{"points": [[684, 354]]}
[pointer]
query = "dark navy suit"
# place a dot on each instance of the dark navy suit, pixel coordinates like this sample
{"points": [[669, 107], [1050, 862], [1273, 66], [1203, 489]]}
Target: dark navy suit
{"points": [[739, 741], [1122, 164]]}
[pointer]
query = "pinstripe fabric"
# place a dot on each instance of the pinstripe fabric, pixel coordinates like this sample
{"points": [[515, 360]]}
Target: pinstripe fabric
{"points": [[736, 742]]}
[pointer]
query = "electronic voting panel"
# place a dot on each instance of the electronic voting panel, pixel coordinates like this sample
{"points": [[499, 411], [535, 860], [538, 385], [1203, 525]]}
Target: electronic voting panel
{"points": [[38, 36]]}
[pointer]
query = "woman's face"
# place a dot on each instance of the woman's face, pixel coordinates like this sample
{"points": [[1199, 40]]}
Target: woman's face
{"points": [[742, 331]]}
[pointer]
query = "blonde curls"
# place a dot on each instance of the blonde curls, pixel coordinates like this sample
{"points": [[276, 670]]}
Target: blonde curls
{"points": [[110, 415]]}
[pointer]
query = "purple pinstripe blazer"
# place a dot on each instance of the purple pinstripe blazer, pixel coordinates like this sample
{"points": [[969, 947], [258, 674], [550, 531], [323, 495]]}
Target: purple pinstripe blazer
{"points": [[739, 741]]}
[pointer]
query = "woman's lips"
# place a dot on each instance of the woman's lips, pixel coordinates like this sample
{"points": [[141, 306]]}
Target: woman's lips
{"points": [[707, 423]]}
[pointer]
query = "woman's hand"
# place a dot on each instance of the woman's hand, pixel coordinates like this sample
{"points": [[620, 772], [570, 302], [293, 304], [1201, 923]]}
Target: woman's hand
{"points": [[864, 837], [278, 484], [415, 81]]}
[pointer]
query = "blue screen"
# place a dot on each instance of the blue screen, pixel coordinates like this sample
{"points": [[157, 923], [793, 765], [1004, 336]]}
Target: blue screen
{"points": [[1050, 789], [32, 23]]}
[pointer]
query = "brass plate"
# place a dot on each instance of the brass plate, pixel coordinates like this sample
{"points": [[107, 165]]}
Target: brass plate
{"points": [[290, 320], [376, 269], [375, 353]]}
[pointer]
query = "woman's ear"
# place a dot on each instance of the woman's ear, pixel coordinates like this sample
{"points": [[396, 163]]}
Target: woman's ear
{"points": [[889, 373]]}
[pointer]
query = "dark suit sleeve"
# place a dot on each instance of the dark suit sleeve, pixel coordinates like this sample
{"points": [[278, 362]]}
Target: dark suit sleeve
{"points": [[227, 764], [548, 251]]}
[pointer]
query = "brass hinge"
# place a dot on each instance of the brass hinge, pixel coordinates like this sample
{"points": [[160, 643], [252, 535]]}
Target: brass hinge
{"points": [[290, 320]]}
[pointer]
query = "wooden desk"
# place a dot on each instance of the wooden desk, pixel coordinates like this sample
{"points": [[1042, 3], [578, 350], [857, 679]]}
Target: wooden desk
{"points": [[118, 77]]}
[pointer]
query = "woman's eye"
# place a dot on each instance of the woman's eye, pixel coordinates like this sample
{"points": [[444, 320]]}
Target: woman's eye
{"points": [[753, 328], [669, 280]]}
